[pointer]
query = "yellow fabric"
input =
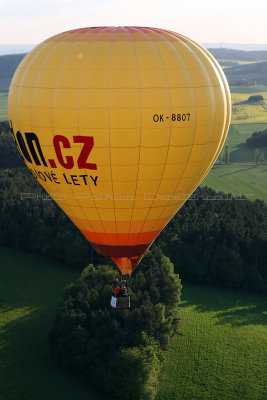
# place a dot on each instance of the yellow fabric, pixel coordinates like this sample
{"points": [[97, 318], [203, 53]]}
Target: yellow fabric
{"points": [[157, 106]]}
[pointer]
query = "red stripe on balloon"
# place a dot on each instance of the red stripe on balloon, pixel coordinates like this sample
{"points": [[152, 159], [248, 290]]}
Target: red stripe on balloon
{"points": [[126, 257], [121, 251]]}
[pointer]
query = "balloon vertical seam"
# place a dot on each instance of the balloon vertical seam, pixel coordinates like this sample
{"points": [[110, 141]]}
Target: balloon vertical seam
{"points": [[110, 160], [163, 207], [19, 87], [140, 140], [79, 89], [181, 176], [52, 93]]}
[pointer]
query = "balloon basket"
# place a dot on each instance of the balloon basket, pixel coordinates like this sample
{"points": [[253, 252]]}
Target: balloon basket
{"points": [[120, 303]]}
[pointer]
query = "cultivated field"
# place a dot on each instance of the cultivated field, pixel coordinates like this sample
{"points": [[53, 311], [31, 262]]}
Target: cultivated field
{"points": [[247, 113]]}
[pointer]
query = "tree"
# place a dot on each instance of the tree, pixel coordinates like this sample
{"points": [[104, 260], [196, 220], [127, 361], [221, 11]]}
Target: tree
{"points": [[142, 364], [257, 139], [261, 157], [255, 98], [256, 155], [194, 238]]}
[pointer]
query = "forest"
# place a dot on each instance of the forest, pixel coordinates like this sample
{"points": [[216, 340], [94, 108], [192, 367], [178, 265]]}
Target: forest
{"points": [[257, 139], [235, 54], [120, 352], [8, 65]]}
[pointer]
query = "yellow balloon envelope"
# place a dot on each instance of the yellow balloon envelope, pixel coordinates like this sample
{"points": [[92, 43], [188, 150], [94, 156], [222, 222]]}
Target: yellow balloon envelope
{"points": [[119, 125]]}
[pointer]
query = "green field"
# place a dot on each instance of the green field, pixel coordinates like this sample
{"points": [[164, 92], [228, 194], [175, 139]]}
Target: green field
{"points": [[31, 290], [241, 176], [248, 89], [219, 353], [249, 180], [222, 348], [3, 106], [236, 140]]}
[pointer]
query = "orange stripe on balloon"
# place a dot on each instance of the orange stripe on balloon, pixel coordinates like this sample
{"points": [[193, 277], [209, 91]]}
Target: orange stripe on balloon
{"points": [[120, 226]]}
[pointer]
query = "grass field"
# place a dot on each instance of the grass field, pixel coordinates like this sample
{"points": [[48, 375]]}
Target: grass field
{"points": [[236, 140], [218, 355], [249, 89], [237, 179], [222, 349], [30, 294], [3, 106]]}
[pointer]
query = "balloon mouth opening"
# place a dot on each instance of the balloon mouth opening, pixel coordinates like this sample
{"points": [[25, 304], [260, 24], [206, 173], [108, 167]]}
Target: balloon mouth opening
{"points": [[125, 257], [127, 265]]}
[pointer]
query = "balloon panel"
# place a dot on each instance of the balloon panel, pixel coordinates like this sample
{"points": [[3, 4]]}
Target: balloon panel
{"points": [[119, 125]]}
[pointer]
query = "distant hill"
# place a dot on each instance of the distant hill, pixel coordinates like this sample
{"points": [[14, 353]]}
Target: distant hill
{"points": [[237, 74], [237, 46], [15, 48], [247, 74], [231, 54], [8, 65]]}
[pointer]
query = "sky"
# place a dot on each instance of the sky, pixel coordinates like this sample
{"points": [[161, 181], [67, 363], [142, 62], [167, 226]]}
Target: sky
{"points": [[238, 21]]}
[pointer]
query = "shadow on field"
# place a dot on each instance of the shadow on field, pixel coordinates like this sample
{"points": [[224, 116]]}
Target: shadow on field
{"points": [[246, 315], [5, 309], [229, 307], [242, 153], [237, 171], [27, 369], [30, 294]]}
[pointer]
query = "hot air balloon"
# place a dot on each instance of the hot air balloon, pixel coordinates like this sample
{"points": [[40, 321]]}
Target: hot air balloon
{"points": [[119, 125]]}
